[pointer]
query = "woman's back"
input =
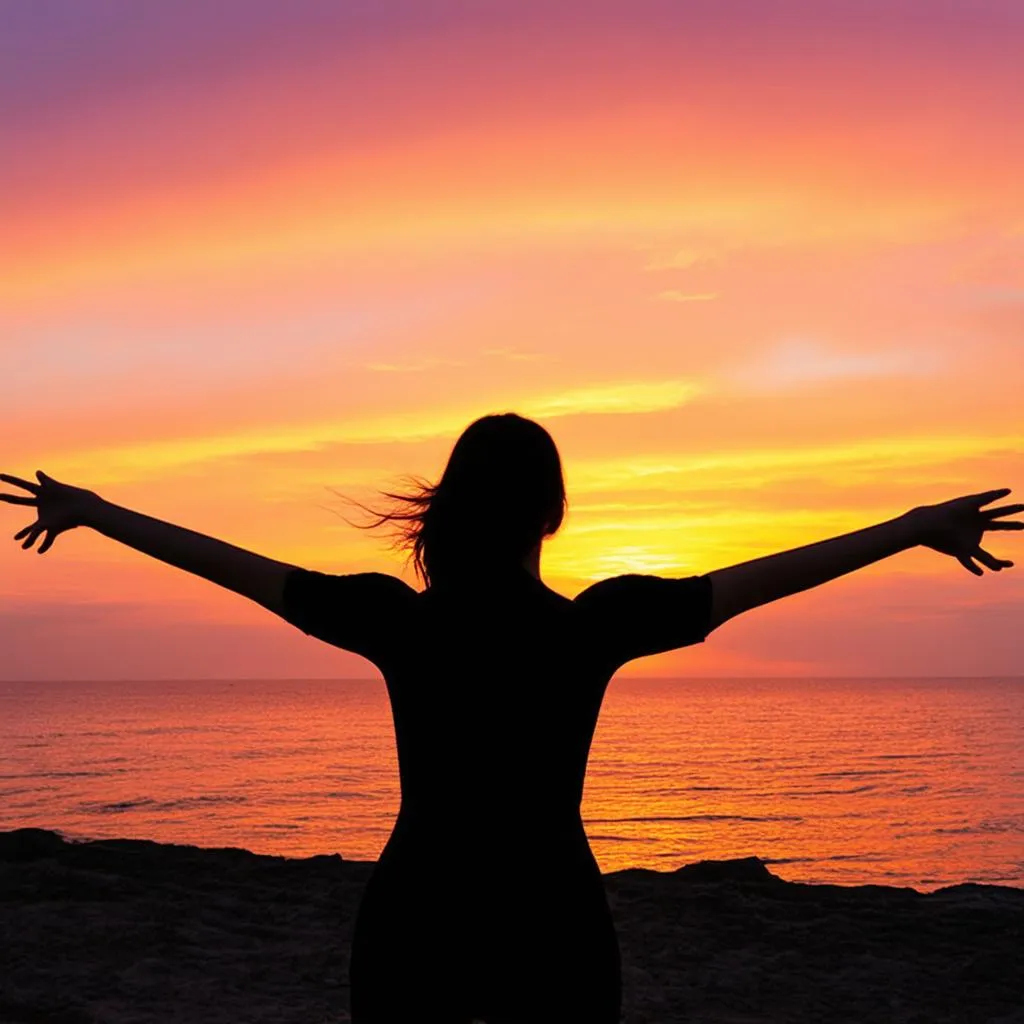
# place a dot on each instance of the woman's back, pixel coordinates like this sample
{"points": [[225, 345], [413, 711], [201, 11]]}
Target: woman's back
{"points": [[495, 686], [496, 683], [494, 707]]}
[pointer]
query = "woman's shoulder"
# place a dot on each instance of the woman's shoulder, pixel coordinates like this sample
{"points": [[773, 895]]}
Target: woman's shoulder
{"points": [[310, 593], [378, 582]]}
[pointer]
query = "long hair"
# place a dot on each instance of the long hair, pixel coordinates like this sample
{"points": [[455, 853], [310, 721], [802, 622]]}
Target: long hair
{"points": [[501, 492]]}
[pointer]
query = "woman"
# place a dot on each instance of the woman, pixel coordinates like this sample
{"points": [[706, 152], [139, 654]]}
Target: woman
{"points": [[487, 902]]}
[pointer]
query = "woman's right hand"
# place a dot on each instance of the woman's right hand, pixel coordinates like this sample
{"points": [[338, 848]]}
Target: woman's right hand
{"points": [[59, 507], [956, 528]]}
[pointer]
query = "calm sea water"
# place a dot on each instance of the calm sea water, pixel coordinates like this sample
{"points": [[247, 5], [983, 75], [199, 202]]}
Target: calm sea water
{"points": [[893, 782]]}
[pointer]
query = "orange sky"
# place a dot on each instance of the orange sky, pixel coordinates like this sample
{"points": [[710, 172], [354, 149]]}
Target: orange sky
{"points": [[760, 272]]}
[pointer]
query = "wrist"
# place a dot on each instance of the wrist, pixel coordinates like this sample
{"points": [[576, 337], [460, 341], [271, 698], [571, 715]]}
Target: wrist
{"points": [[911, 527], [91, 510]]}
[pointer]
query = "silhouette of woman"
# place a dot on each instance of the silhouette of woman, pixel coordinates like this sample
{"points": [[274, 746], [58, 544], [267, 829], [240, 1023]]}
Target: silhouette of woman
{"points": [[486, 902]]}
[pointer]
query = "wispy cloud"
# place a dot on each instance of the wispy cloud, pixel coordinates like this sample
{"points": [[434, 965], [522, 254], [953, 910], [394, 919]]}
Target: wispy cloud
{"points": [[638, 397], [414, 367], [845, 462], [515, 356], [156, 458], [433, 363], [799, 361], [995, 295], [678, 296], [685, 259]]}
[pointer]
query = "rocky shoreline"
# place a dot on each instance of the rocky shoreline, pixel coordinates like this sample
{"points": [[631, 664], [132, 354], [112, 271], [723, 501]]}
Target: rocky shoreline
{"points": [[131, 931]]}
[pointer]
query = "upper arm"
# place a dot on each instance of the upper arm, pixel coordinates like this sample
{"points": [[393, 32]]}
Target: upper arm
{"points": [[734, 591], [359, 612], [260, 579], [635, 615]]}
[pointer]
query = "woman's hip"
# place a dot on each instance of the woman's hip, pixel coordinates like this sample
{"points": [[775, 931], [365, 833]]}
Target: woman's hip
{"points": [[493, 960]]}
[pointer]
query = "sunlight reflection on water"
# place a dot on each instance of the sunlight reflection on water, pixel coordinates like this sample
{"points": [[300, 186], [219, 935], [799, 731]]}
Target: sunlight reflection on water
{"points": [[898, 782]]}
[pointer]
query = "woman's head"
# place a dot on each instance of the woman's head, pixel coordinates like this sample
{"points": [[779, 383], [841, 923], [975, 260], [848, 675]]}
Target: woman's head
{"points": [[500, 494]]}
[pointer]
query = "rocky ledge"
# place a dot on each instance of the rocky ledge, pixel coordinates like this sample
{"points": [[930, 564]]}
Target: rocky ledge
{"points": [[119, 931]]}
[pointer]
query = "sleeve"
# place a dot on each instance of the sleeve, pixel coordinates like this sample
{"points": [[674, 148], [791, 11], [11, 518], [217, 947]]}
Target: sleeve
{"points": [[633, 616], [360, 612]]}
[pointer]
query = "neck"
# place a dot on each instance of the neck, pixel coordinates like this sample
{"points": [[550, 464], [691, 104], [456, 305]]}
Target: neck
{"points": [[482, 571], [532, 562]]}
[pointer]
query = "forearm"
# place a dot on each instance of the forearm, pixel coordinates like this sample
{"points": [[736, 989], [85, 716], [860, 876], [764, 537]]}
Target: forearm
{"points": [[224, 564], [762, 580]]}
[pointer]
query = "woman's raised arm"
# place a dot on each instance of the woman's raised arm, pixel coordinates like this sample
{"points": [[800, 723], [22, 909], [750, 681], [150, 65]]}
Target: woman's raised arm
{"points": [[953, 528], [61, 507]]}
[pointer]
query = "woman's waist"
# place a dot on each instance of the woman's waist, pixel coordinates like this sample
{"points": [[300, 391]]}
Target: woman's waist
{"points": [[476, 821], [488, 838]]}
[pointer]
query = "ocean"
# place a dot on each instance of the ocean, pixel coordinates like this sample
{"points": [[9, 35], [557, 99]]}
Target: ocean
{"points": [[908, 782]]}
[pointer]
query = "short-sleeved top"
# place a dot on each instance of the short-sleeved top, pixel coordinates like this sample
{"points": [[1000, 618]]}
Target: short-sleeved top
{"points": [[495, 687]]}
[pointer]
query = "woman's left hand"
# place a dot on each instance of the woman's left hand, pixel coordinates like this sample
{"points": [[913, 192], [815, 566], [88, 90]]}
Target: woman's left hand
{"points": [[956, 528]]}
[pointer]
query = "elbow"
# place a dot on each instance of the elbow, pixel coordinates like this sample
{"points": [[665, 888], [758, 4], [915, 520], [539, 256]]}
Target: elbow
{"points": [[726, 600]]}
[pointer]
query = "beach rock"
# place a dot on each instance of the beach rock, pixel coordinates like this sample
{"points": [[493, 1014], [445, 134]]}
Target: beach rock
{"points": [[119, 931], [29, 844], [746, 869]]}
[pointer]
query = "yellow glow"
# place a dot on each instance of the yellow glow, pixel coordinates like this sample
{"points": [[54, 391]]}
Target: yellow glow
{"points": [[129, 462], [843, 462]]}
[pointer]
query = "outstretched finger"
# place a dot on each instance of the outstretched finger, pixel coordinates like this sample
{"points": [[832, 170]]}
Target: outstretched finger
{"points": [[1003, 510], [21, 483], [995, 564], [965, 561], [986, 496], [18, 499], [27, 529], [47, 542], [31, 539], [1005, 526]]}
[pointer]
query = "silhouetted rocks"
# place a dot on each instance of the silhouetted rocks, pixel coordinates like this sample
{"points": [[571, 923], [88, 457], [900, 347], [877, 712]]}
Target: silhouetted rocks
{"points": [[130, 930], [746, 869], [29, 844]]}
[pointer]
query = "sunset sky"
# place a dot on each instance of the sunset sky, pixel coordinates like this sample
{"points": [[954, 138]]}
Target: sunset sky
{"points": [[759, 268]]}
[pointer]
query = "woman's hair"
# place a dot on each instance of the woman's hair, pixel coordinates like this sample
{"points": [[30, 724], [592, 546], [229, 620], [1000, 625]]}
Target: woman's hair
{"points": [[500, 494]]}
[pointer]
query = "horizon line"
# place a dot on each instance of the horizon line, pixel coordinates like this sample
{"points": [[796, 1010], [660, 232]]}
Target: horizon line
{"points": [[378, 679]]}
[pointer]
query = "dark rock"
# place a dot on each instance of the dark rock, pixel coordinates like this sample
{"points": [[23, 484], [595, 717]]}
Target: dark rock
{"points": [[745, 869], [25, 844], [118, 931]]}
